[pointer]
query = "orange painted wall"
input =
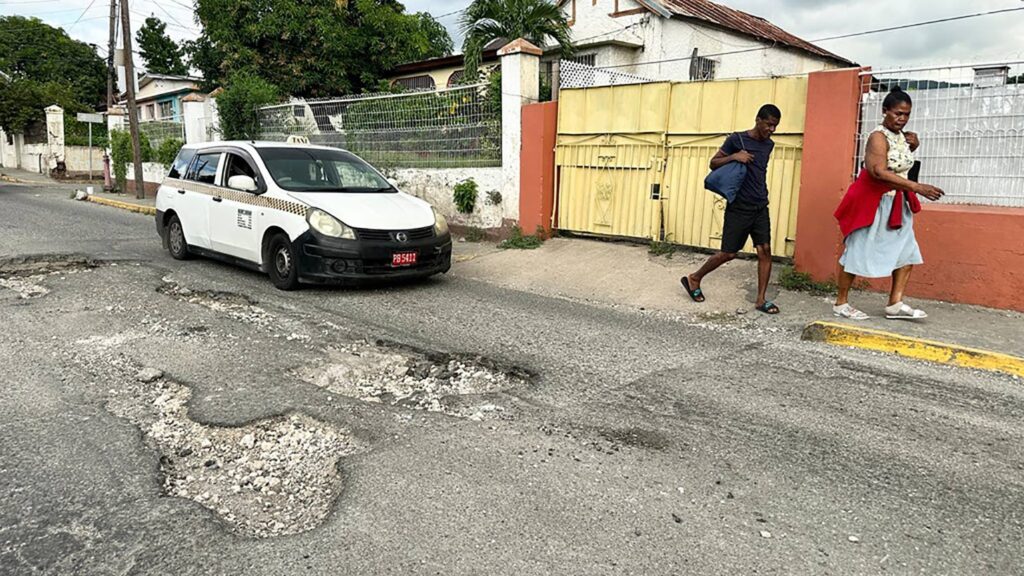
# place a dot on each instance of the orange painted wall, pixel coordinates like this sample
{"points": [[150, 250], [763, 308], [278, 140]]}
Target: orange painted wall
{"points": [[973, 254], [830, 126], [537, 166]]}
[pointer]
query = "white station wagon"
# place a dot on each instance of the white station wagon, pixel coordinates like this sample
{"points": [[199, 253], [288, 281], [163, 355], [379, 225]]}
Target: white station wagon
{"points": [[299, 213]]}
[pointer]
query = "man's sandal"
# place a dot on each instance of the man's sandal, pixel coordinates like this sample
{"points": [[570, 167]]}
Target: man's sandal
{"points": [[768, 307], [697, 295]]}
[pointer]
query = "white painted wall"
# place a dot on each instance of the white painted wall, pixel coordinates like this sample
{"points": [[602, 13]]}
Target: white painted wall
{"points": [[34, 158], [76, 158], [435, 185], [151, 172], [664, 38], [9, 151]]}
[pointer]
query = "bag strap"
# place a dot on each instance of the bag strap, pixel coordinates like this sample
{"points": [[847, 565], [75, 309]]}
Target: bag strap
{"points": [[742, 145]]}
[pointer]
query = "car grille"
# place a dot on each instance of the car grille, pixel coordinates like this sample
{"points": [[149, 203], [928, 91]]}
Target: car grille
{"points": [[389, 235]]}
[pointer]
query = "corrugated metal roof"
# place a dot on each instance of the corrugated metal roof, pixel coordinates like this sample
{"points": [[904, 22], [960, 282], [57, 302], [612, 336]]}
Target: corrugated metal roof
{"points": [[744, 23]]}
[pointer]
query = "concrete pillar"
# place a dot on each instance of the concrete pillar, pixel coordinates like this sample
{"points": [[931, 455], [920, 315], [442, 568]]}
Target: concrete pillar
{"points": [[520, 85], [830, 141], [116, 118], [193, 115], [54, 136]]}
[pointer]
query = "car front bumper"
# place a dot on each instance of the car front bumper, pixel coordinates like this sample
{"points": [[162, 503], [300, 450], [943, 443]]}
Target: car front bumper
{"points": [[324, 259]]}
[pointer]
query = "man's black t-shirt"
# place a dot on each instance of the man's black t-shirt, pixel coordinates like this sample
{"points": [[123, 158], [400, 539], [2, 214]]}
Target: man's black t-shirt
{"points": [[754, 189]]}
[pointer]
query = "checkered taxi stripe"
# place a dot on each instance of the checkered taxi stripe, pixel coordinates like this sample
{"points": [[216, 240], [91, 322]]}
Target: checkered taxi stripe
{"points": [[261, 201]]}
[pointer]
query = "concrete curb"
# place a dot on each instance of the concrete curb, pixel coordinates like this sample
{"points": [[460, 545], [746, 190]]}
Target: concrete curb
{"points": [[917, 348], [139, 208]]}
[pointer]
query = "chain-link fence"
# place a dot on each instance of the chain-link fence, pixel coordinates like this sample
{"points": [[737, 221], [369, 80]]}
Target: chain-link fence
{"points": [[970, 120], [159, 131], [450, 128]]}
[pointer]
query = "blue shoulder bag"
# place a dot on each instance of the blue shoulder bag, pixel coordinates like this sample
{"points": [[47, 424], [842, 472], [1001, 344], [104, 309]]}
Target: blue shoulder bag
{"points": [[726, 180]]}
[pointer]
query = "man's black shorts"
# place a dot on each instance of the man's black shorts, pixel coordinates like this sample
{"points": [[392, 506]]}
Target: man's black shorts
{"points": [[745, 220]]}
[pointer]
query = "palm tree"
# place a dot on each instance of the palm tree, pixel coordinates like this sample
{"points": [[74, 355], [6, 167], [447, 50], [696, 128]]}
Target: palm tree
{"points": [[487, 20]]}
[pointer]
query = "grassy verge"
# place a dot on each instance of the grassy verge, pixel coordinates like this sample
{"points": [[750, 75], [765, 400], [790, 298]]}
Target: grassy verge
{"points": [[791, 279]]}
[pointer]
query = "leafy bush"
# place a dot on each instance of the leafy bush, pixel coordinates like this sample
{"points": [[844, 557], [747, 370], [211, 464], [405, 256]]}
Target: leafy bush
{"points": [[77, 133], [464, 195], [168, 151], [121, 154], [239, 105]]}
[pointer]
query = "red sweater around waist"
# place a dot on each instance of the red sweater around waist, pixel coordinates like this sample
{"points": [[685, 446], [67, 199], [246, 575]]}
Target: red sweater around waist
{"points": [[859, 205]]}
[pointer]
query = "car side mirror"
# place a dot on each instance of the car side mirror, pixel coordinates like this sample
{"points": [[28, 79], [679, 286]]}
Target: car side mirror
{"points": [[393, 182], [242, 182]]}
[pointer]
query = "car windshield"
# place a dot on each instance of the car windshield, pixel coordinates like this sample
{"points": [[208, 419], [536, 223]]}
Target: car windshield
{"points": [[316, 170]]}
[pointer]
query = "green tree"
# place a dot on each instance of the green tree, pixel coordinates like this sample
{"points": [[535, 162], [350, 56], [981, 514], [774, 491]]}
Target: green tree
{"points": [[46, 67], [238, 105], [439, 43], [488, 20], [160, 54], [313, 47]]}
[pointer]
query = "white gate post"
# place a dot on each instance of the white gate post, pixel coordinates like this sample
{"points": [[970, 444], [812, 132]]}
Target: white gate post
{"points": [[520, 85], [54, 135]]}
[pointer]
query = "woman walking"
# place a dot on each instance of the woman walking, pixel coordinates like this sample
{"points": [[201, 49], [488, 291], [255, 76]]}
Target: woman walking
{"points": [[877, 214]]}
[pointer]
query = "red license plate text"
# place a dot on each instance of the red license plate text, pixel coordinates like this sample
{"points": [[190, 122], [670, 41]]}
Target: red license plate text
{"points": [[403, 258]]}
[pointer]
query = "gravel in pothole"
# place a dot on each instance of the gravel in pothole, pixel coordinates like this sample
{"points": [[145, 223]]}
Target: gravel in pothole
{"points": [[273, 477], [453, 386], [237, 306], [25, 275]]}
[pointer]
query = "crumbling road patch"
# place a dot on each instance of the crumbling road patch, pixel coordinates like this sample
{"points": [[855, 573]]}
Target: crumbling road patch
{"points": [[272, 477], [237, 306], [450, 385], [25, 275]]}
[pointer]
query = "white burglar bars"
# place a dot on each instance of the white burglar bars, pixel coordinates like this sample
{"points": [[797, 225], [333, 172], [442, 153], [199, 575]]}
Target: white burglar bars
{"points": [[456, 127], [970, 119]]}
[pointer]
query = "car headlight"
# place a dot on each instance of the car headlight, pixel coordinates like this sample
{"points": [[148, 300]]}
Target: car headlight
{"points": [[440, 224], [328, 225]]}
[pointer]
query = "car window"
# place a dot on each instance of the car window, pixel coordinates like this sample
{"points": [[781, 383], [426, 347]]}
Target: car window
{"points": [[318, 170], [205, 168], [237, 166], [180, 165]]}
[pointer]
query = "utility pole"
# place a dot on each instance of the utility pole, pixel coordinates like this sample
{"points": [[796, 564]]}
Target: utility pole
{"points": [[108, 184], [133, 112]]}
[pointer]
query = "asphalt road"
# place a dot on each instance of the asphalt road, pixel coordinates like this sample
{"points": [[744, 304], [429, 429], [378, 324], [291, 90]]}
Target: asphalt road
{"points": [[629, 443]]}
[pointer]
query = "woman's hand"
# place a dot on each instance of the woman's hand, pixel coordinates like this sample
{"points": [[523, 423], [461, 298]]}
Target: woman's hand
{"points": [[912, 140], [930, 192]]}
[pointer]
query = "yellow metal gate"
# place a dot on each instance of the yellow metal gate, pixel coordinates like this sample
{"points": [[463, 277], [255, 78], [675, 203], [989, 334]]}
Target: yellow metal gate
{"points": [[632, 159]]}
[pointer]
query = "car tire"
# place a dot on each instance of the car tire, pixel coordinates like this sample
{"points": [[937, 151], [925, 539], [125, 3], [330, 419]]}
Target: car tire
{"points": [[281, 263], [176, 243]]}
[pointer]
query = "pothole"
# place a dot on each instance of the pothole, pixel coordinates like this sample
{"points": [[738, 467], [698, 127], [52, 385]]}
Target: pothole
{"points": [[237, 306], [25, 275], [450, 385], [273, 477]]}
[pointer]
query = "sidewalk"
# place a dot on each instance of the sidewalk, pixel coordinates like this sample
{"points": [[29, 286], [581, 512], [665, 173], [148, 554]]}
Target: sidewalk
{"points": [[627, 276]]}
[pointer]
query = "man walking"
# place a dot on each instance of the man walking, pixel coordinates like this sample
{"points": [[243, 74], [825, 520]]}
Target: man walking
{"points": [[747, 215]]}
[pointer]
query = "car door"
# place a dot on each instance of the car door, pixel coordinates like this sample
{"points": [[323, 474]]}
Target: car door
{"points": [[233, 214], [193, 202]]}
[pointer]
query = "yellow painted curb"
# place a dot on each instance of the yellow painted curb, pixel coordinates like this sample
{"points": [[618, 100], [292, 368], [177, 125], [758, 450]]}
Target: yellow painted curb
{"points": [[139, 208], [928, 350]]}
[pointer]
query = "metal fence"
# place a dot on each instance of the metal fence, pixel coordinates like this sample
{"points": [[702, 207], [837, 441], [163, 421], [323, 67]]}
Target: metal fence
{"points": [[970, 120], [450, 128], [159, 131], [573, 74]]}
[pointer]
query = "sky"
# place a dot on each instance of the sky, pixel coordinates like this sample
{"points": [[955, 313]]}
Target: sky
{"points": [[981, 39]]}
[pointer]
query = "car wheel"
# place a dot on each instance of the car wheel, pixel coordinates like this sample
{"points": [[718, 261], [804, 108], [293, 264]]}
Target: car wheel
{"points": [[176, 243], [281, 263]]}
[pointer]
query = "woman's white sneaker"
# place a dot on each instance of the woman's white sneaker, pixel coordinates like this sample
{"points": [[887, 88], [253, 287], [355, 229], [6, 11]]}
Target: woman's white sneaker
{"points": [[847, 311], [900, 311]]}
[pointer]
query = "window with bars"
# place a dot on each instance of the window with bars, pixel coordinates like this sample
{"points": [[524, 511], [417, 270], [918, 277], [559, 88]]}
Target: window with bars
{"points": [[585, 59], [422, 82], [702, 69], [456, 77]]}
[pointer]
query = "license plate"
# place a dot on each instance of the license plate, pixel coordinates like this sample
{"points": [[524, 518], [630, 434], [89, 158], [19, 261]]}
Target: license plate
{"points": [[403, 258]]}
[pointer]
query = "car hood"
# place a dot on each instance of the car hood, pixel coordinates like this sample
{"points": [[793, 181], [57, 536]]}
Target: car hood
{"points": [[377, 211]]}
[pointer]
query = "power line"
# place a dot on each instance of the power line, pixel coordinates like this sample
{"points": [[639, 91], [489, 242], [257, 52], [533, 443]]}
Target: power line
{"points": [[80, 16], [851, 35]]}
